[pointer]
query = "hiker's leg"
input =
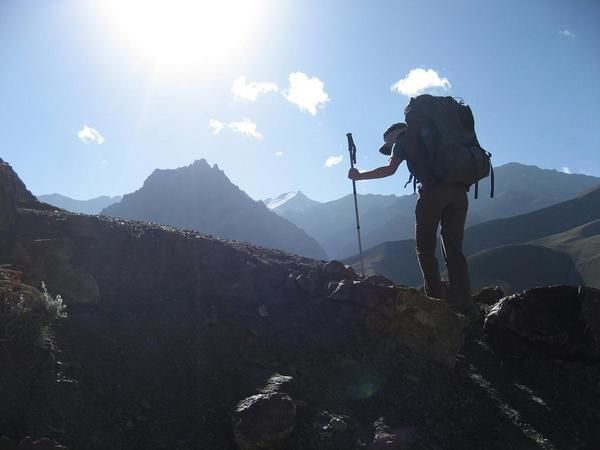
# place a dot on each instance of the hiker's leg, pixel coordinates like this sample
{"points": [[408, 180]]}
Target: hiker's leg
{"points": [[453, 227], [428, 212]]}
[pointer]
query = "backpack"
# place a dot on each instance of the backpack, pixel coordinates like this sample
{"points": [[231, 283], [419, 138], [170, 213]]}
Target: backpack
{"points": [[451, 150]]}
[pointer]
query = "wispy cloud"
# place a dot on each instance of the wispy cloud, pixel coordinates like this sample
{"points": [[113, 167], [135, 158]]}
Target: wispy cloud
{"points": [[419, 81], [565, 170], [89, 134], [216, 126], [247, 127], [243, 90], [567, 34], [278, 153], [244, 126], [333, 160], [308, 93]]}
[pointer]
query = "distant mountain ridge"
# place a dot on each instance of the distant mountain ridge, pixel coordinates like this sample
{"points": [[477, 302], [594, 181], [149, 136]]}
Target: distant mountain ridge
{"points": [[200, 197], [519, 189], [536, 224], [91, 206]]}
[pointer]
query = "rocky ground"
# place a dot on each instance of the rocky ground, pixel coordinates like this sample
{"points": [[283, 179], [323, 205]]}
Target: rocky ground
{"points": [[175, 340]]}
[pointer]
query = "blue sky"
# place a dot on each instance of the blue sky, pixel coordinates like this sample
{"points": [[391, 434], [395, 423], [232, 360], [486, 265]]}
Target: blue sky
{"points": [[148, 89]]}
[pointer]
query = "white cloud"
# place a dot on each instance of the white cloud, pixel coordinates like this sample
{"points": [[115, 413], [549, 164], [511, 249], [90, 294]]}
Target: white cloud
{"points": [[216, 126], [243, 90], [419, 81], [87, 134], [333, 160], [247, 127], [244, 126], [567, 33], [278, 153], [306, 93], [565, 170]]}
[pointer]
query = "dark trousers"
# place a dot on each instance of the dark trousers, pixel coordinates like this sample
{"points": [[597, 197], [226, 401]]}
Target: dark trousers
{"points": [[446, 205]]}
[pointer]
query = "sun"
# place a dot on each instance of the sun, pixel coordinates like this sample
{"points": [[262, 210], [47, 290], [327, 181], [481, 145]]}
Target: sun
{"points": [[183, 33]]}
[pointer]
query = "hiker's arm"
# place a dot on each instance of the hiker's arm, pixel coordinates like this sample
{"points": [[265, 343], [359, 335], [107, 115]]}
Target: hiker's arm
{"points": [[379, 172]]}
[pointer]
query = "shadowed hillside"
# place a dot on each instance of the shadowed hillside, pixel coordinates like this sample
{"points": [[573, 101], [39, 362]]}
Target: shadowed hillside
{"points": [[519, 267], [583, 245], [198, 197], [534, 225]]}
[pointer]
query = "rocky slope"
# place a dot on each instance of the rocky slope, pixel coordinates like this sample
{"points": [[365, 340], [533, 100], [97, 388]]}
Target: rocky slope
{"points": [[175, 339], [200, 197]]}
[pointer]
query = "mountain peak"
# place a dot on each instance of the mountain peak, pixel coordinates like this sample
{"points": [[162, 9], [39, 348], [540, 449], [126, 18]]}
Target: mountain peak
{"points": [[202, 198], [290, 201], [201, 163]]}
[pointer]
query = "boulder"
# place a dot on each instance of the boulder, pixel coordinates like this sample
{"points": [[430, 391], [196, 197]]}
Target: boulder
{"points": [[426, 326], [338, 270], [333, 431], [556, 321], [488, 295]]}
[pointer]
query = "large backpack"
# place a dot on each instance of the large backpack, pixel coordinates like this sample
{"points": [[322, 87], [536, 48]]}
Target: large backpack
{"points": [[452, 151]]}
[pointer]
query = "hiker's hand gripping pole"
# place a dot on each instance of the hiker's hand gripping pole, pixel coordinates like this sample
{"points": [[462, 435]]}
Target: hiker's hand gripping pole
{"points": [[352, 150]]}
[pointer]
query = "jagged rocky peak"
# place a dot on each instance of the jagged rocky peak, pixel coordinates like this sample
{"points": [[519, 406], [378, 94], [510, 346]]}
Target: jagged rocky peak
{"points": [[198, 167], [202, 198]]}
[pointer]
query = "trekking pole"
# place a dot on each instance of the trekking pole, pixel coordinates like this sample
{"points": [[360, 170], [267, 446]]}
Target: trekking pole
{"points": [[352, 150]]}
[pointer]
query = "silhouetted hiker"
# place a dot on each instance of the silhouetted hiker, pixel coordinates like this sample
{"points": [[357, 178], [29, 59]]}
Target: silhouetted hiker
{"points": [[433, 161]]}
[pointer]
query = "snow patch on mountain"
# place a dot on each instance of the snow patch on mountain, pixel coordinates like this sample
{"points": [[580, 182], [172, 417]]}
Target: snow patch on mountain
{"points": [[289, 201], [276, 202]]}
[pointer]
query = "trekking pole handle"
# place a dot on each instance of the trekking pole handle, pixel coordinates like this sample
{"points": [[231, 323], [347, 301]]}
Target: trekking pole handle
{"points": [[351, 149]]}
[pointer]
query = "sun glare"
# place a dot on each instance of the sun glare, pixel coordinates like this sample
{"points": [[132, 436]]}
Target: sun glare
{"points": [[183, 33]]}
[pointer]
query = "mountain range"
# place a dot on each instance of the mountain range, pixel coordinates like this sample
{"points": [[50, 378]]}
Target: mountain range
{"points": [[519, 189], [200, 197], [91, 206], [537, 225]]}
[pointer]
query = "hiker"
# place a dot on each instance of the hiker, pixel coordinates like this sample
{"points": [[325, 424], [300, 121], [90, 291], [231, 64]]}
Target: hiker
{"points": [[440, 202]]}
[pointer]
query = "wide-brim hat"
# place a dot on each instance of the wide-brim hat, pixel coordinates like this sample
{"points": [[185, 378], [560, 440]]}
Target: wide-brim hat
{"points": [[397, 129]]}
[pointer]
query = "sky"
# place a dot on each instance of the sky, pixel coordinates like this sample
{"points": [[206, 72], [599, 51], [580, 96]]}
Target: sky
{"points": [[95, 95]]}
